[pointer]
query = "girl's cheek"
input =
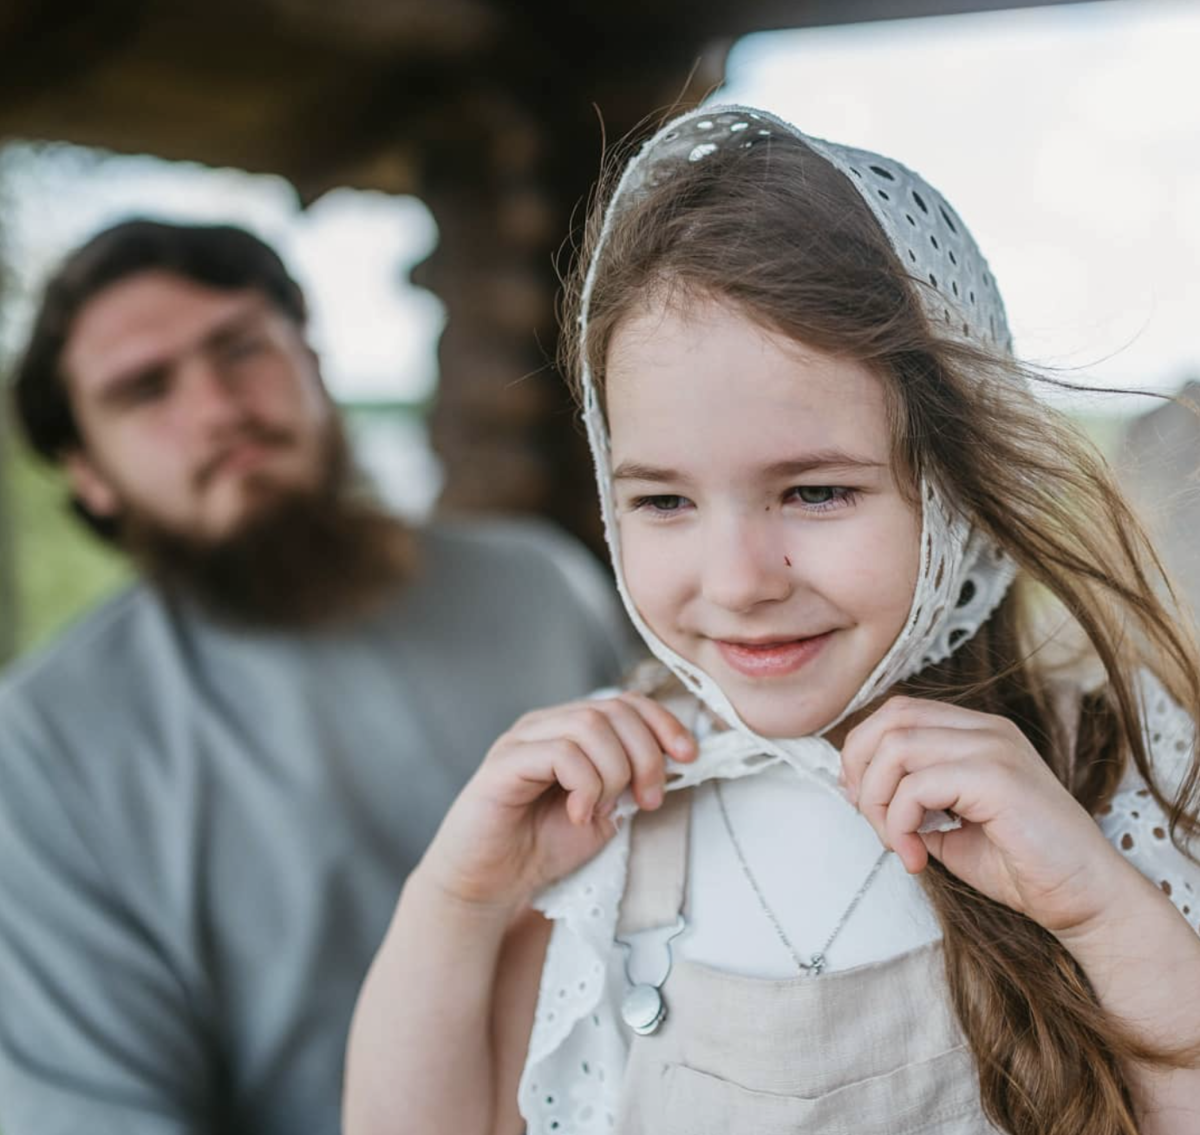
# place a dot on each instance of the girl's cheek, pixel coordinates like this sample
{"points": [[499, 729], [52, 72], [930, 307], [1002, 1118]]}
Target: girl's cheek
{"points": [[888, 548], [642, 570], [655, 573]]}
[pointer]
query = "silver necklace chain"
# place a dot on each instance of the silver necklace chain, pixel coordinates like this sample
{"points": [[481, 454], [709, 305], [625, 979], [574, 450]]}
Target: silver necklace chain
{"points": [[816, 962]]}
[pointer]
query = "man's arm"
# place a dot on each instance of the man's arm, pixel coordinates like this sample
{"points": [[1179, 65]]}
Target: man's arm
{"points": [[97, 1032]]}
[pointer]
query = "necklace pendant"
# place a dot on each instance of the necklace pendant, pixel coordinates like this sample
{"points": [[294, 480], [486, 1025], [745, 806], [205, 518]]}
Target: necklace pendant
{"points": [[643, 1009], [816, 965]]}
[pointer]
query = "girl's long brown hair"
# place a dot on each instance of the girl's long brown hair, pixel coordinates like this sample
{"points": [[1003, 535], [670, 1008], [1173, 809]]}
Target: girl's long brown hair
{"points": [[778, 233]]}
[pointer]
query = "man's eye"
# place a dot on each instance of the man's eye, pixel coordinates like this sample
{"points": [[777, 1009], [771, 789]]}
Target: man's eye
{"points": [[244, 348], [148, 389], [815, 494]]}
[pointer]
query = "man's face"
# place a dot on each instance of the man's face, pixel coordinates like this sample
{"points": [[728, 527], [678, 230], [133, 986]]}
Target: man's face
{"points": [[197, 407]]}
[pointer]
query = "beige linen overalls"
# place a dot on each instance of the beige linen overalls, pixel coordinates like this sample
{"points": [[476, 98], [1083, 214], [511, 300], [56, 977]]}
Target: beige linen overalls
{"points": [[873, 1050]]}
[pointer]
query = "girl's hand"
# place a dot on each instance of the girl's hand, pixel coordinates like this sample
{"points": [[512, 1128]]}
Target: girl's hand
{"points": [[539, 804], [1024, 841]]}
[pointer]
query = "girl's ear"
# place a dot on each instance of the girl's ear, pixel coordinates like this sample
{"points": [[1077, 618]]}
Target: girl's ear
{"points": [[89, 485]]}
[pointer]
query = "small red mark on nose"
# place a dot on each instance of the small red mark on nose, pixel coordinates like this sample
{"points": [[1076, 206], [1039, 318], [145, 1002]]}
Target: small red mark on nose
{"points": [[787, 561]]}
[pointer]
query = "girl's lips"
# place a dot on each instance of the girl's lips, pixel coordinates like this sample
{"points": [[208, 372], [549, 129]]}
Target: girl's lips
{"points": [[774, 659]]}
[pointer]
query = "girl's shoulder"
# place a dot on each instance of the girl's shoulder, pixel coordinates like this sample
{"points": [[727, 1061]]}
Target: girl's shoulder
{"points": [[1134, 821]]}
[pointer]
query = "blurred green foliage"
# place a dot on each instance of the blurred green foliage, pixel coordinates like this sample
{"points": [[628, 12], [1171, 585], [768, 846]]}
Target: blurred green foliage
{"points": [[61, 569]]}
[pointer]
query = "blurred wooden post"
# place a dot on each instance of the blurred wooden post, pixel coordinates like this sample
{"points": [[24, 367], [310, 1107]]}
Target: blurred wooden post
{"points": [[506, 172]]}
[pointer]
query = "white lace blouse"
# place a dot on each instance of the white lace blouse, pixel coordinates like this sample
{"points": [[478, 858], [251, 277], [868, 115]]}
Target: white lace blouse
{"points": [[809, 853]]}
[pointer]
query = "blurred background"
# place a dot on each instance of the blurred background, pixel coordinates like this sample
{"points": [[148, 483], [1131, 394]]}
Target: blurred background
{"points": [[421, 166]]}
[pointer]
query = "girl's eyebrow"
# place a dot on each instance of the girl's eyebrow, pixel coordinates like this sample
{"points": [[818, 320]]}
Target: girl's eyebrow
{"points": [[635, 471], [792, 467], [823, 459]]}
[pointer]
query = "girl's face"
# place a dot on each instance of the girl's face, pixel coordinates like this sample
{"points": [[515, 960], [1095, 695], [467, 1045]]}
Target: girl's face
{"points": [[764, 534]]}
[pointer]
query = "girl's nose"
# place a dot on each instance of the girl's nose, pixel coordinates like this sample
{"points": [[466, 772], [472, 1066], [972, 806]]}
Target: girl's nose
{"points": [[747, 564]]}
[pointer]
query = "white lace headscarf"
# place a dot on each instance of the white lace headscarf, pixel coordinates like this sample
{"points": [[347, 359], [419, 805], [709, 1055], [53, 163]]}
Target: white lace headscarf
{"points": [[962, 575], [577, 1050]]}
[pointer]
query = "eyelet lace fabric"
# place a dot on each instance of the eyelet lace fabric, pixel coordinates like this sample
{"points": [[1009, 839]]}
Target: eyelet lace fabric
{"points": [[572, 1079], [1135, 822], [577, 1052]]}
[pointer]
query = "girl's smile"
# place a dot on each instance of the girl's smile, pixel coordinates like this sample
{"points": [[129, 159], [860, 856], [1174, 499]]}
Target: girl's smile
{"points": [[771, 658], [764, 535]]}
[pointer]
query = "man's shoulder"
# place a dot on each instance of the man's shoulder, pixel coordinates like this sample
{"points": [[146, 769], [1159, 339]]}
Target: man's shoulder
{"points": [[518, 554], [64, 714], [504, 535], [521, 575], [91, 646]]}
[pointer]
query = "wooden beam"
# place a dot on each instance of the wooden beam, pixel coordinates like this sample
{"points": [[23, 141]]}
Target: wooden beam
{"points": [[781, 15], [46, 43]]}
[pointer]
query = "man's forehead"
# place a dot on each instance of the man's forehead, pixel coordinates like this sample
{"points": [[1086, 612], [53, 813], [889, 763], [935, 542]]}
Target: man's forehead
{"points": [[147, 320]]}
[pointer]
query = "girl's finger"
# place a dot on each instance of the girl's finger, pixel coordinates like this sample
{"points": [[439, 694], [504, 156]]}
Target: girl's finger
{"points": [[674, 737], [543, 724], [939, 787], [626, 737], [644, 751], [864, 739], [530, 768], [579, 778], [592, 729], [903, 751]]}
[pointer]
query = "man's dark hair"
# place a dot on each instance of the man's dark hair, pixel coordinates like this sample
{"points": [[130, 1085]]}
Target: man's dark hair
{"points": [[218, 256]]}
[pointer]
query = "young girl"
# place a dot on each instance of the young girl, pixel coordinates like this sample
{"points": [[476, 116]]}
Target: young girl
{"points": [[918, 866]]}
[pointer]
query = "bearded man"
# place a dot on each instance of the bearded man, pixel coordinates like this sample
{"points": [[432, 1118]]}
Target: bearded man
{"points": [[212, 788]]}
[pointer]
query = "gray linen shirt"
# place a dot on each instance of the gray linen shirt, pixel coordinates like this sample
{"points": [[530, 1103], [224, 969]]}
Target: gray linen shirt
{"points": [[203, 831]]}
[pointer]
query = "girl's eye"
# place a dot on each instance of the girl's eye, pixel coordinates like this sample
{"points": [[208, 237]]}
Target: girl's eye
{"points": [[821, 498], [663, 503]]}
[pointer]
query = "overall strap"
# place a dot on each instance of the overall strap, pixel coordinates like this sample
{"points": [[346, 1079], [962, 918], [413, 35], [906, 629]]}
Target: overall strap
{"points": [[656, 884]]}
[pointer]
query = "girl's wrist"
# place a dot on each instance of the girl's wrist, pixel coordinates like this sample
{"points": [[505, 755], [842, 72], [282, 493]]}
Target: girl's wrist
{"points": [[442, 889], [1131, 908], [1142, 959], [1101, 887]]}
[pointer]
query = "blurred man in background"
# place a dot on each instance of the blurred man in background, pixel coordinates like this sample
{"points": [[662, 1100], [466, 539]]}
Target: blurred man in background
{"points": [[212, 788]]}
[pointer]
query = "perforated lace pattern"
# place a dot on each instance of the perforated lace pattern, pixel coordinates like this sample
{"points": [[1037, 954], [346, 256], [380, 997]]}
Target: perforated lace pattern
{"points": [[577, 1051], [1134, 821], [956, 285]]}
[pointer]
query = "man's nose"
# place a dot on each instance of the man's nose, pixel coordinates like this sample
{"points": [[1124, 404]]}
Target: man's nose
{"points": [[747, 564], [210, 402]]}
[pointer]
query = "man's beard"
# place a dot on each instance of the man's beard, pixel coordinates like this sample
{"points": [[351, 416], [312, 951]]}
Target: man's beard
{"points": [[304, 558]]}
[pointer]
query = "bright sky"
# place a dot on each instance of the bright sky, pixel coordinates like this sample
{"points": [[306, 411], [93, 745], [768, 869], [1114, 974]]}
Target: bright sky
{"points": [[1068, 138]]}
